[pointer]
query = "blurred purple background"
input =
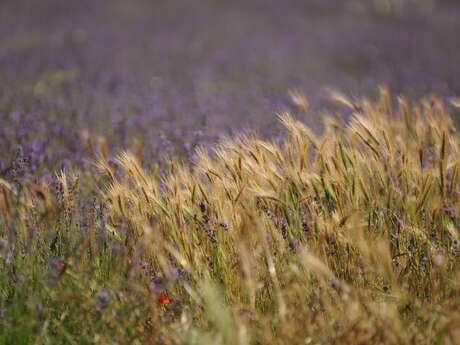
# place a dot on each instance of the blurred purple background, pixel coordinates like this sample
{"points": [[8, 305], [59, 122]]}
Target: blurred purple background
{"points": [[162, 76]]}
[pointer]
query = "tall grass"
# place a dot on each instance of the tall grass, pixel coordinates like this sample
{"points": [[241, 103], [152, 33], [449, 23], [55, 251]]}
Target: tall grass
{"points": [[350, 236]]}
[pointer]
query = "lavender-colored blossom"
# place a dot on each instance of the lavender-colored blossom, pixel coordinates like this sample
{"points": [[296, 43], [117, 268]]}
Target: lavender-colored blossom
{"points": [[158, 284]]}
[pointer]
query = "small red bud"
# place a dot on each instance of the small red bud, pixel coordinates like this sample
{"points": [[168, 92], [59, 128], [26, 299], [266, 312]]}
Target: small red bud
{"points": [[163, 299]]}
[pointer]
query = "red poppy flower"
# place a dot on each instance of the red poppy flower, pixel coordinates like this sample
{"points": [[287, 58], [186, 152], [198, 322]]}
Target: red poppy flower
{"points": [[163, 299]]}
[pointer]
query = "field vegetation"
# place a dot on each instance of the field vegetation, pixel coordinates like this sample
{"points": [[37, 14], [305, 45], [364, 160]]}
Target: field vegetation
{"points": [[350, 236]]}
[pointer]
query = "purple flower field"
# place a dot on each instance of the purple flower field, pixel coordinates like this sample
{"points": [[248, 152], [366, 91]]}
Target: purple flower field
{"points": [[229, 172], [167, 75]]}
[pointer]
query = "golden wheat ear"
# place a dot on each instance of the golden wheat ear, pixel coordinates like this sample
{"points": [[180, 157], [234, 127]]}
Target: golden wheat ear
{"points": [[455, 101], [299, 99]]}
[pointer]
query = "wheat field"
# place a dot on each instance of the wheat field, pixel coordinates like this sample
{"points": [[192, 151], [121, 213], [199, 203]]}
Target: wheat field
{"points": [[345, 237]]}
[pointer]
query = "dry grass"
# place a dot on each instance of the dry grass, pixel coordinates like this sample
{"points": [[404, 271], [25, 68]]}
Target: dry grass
{"points": [[347, 237]]}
